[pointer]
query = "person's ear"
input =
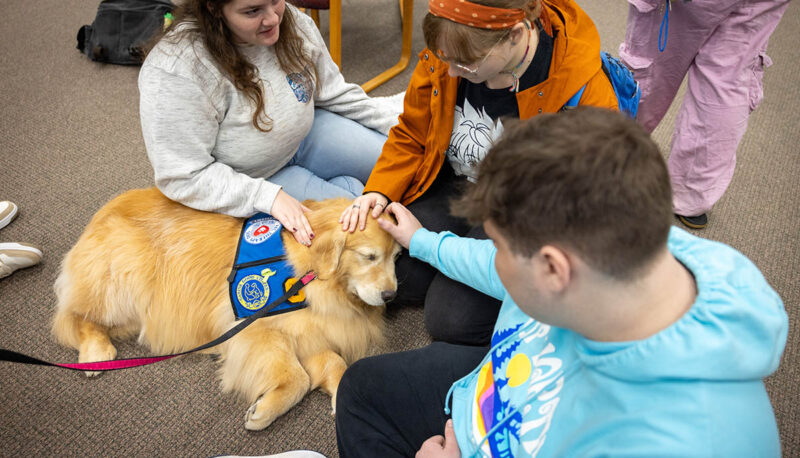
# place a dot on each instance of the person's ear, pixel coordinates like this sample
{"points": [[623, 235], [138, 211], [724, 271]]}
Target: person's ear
{"points": [[518, 32], [556, 268]]}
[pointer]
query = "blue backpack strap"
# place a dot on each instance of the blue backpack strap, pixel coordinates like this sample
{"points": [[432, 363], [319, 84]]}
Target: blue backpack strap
{"points": [[626, 88], [575, 99]]}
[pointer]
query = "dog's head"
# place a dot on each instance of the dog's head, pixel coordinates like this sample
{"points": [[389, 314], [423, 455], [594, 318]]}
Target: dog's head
{"points": [[361, 262]]}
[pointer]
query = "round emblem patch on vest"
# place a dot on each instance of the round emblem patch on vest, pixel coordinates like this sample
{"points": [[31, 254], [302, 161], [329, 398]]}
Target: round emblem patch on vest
{"points": [[253, 290], [261, 229]]}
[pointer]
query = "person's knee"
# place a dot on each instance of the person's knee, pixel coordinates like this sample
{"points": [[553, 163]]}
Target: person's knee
{"points": [[294, 180], [352, 387], [458, 314], [441, 323], [444, 327], [349, 184]]}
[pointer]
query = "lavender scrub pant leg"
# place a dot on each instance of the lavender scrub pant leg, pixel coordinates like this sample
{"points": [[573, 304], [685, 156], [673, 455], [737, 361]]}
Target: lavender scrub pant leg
{"points": [[721, 46]]}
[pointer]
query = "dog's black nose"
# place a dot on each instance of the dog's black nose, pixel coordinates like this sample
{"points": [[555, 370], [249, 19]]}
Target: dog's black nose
{"points": [[386, 296]]}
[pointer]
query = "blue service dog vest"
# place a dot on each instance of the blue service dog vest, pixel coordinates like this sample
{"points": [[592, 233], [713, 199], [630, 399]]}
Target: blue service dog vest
{"points": [[260, 271]]}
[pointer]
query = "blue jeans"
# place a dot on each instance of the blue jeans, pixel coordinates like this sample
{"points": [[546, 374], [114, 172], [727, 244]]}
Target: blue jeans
{"points": [[334, 160]]}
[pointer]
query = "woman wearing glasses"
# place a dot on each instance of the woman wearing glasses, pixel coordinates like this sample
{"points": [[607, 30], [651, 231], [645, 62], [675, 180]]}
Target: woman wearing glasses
{"points": [[487, 60]]}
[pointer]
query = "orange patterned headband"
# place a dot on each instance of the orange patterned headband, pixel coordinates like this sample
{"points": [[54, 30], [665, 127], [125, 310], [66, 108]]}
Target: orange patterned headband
{"points": [[475, 15]]}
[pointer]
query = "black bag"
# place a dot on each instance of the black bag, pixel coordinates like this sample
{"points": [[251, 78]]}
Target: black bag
{"points": [[121, 28]]}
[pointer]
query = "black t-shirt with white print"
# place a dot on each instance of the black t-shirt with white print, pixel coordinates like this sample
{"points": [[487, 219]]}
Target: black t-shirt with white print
{"points": [[479, 111]]}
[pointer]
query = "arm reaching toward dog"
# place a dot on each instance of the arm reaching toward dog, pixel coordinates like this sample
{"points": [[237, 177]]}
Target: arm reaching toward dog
{"points": [[466, 260], [407, 224], [441, 446], [291, 213]]}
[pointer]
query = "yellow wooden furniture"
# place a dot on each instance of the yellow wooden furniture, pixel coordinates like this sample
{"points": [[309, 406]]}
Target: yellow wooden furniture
{"points": [[334, 8]]}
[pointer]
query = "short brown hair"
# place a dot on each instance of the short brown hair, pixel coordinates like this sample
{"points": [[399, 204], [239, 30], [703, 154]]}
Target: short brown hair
{"points": [[588, 179], [470, 44]]}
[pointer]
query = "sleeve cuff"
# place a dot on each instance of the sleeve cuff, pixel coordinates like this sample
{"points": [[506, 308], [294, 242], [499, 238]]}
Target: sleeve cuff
{"points": [[265, 197], [422, 243]]}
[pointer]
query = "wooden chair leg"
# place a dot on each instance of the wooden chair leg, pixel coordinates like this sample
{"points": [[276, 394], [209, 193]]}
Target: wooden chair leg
{"points": [[315, 16], [335, 32], [407, 13]]}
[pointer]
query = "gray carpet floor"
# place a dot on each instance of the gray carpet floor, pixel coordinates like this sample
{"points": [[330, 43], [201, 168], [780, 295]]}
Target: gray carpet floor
{"points": [[70, 140]]}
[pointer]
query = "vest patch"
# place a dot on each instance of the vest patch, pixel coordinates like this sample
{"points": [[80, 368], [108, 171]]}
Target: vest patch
{"points": [[260, 272]]}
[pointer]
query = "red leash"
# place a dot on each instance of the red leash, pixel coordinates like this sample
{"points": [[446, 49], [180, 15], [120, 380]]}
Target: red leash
{"points": [[114, 364]]}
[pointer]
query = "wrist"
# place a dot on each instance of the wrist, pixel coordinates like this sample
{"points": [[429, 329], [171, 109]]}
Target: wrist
{"points": [[266, 197], [381, 197]]}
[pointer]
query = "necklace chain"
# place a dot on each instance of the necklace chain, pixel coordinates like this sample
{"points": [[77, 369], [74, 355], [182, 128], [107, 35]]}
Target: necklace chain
{"points": [[515, 86]]}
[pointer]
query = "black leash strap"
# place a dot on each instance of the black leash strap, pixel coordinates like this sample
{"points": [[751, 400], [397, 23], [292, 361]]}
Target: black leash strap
{"points": [[15, 357]]}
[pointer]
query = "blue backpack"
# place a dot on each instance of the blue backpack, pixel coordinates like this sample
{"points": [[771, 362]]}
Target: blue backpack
{"points": [[625, 87]]}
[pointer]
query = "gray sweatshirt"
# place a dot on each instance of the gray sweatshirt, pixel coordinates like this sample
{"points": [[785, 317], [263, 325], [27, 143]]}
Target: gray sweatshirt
{"points": [[198, 130]]}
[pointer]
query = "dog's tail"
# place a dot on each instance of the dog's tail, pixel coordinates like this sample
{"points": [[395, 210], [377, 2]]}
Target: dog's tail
{"points": [[66, 325]]}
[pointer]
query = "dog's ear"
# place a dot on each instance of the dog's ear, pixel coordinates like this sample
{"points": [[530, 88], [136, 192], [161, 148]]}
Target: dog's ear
{"points": [[328, 244], [327, 250], [330, 239]]}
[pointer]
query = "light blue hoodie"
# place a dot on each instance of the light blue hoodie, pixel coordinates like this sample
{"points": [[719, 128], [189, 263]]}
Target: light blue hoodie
{"points": [[694, 389]]}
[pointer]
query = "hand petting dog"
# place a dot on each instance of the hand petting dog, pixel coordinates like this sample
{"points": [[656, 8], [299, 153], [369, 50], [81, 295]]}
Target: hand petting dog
{"points": [[356, 214], [291, 213], [407, 224]]}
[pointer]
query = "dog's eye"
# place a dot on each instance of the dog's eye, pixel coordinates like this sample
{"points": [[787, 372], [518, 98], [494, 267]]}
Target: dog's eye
{"points": [[369, 256]]}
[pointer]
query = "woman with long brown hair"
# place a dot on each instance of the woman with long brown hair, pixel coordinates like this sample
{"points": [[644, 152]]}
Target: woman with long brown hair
{"points": [[244, 111]]}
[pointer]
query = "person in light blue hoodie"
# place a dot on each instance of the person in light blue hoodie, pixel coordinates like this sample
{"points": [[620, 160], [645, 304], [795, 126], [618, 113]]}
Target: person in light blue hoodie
{"points": [[619, 335]]}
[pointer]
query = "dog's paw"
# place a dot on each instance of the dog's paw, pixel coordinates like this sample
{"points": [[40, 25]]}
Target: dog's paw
{"points": [[254, 419], [333, 404], [94, 352]]}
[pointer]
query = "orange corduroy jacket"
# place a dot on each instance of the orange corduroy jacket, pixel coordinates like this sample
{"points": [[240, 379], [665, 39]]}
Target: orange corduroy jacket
{"points": [[415, 150]]}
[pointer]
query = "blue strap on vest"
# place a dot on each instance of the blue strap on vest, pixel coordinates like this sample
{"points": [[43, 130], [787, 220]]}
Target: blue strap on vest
{"points": [[260, 272], [626, 88]]}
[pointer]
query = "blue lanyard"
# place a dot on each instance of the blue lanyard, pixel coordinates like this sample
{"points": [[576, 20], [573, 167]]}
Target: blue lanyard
{"points": [[664, 30]]}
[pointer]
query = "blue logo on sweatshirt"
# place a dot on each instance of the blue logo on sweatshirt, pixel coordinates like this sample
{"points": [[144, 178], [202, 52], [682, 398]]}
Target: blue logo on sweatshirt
{"points": [[302, 85]]}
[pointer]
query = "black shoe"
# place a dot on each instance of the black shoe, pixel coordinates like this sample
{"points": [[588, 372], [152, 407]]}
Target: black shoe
{"points": [[694, 222]]}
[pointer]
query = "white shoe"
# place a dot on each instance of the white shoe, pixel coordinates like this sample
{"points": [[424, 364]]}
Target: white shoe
{"points": [[8, 211], [15, 256]]}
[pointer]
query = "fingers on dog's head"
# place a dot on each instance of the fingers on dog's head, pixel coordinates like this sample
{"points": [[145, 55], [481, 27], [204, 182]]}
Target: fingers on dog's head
{"points": [[388, 217]]}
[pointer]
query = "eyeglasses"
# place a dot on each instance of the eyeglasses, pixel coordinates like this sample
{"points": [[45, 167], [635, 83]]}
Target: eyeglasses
{"points": [[476, 67]]}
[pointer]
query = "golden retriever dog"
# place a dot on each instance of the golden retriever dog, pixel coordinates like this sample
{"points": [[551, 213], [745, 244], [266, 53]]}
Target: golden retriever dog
{"points": [[149, 267]]}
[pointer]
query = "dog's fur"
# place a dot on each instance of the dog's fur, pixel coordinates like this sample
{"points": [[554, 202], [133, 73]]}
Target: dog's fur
{"points": [[151, 267]]}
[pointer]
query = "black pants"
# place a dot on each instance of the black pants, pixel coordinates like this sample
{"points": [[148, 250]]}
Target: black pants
{"points": [[454, 312], [388, 405]]}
